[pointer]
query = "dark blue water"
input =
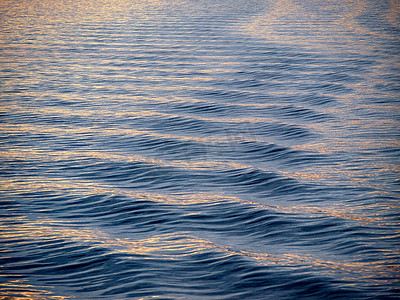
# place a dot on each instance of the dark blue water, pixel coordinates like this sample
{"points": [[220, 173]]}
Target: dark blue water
{"points": [[199, 149]]}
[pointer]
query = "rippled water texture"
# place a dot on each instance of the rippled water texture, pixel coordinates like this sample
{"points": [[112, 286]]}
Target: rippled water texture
{"points": [[199, 149]]}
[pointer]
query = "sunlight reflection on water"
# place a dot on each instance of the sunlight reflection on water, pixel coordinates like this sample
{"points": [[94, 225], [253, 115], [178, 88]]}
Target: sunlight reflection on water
{"points": [[199, 149]]}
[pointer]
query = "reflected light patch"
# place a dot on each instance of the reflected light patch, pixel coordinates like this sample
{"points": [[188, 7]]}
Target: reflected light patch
{"points": [[177, 245], [20, 289], [34, 184]]}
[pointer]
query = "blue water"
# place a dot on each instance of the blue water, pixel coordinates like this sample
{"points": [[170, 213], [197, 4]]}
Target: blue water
{"points": [[199, 149]]}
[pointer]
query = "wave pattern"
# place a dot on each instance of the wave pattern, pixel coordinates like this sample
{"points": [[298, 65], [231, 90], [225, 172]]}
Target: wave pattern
{"points": [[199, 149]]}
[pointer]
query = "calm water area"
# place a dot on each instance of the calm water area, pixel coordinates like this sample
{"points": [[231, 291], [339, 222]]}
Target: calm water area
{"points": [[182, 149]]}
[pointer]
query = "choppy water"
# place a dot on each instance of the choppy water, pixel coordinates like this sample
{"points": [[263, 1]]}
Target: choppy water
{"points": [[199, 149]]}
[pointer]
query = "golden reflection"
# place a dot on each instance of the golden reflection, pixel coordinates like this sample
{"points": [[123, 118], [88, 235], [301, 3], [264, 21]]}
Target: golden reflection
{"points": [[20, 289], [89, 188], [333, 173], [174, 246], [394, 13], [45, 155], [48, 129], [339, 144], [121, 113], [354, 9], [44, 12], [304, 23], [355, 173], [371, 269], [265, 23]]}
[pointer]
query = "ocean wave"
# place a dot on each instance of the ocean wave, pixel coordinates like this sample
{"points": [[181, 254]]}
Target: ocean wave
{"points": [[199, 150]]}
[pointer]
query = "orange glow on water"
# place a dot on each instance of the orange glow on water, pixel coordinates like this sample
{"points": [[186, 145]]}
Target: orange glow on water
{"points": [[249, 128]]}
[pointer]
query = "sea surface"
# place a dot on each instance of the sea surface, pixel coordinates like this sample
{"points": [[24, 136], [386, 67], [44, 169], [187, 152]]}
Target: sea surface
{"points": [[182, 149]]}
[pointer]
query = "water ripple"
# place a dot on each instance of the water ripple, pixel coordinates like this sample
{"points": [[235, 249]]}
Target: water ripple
{"points": [[199, 149]]}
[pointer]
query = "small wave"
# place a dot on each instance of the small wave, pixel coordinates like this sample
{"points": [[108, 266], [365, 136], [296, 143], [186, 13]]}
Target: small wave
{"points": [[199, 150], [97, 265]]}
